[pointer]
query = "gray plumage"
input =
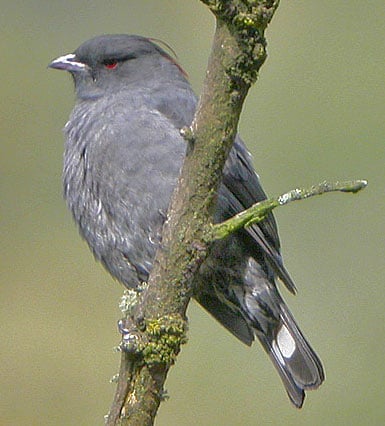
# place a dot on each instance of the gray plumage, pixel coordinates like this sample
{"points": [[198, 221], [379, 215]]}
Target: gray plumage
{"points": [[122, 158]]}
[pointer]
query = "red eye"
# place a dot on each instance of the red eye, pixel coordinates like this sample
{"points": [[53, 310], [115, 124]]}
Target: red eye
{"points": [[111, 64]]}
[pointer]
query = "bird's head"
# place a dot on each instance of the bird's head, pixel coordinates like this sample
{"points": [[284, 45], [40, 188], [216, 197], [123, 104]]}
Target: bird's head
{"points": [[110, 63]]}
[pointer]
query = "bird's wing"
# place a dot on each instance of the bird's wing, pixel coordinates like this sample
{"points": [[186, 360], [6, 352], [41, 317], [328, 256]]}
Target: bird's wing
{"points": [[242, 189]]}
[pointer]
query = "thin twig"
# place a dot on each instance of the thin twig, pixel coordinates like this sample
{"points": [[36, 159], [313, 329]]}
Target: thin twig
{"points": [[257, 212]]}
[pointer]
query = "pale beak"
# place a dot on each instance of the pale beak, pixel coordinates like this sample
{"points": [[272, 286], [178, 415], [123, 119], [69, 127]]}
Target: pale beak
{"points": [[67, 63]]}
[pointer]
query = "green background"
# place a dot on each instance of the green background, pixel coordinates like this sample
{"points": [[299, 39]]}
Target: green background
{"points": [[317, 112]]}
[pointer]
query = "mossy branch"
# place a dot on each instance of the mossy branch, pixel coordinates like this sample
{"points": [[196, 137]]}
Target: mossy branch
{"points": [[238, 52], [155, 323], [259, 211]]}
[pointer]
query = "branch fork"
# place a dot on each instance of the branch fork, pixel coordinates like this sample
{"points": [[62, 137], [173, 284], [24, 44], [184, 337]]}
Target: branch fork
{"points": [[155, 324]]}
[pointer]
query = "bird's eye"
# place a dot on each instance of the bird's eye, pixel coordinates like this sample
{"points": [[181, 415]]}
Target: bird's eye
{"points": [[110, 63]]}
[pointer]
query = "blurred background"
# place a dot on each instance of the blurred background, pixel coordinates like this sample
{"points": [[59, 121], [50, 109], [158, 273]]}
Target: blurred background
{"points": [[317, 112]]}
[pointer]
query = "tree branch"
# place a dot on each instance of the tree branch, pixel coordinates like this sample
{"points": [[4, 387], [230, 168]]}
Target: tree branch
{"points": [[257, 212], [237, 54], [155, 322]]}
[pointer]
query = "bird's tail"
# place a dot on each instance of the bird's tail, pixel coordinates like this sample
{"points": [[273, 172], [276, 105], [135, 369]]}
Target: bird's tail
{"points": [[255, 309], [296, 362]]}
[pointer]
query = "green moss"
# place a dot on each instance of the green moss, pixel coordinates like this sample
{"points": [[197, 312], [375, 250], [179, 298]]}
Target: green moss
{"points": [[246, 20], [165, 336]]}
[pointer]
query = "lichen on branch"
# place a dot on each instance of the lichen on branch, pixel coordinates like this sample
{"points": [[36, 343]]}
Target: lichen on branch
{"points": [[257, 212]]}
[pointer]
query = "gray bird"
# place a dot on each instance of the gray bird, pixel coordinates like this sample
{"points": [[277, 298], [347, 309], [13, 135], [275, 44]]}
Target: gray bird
{"points": [[123, 155]]}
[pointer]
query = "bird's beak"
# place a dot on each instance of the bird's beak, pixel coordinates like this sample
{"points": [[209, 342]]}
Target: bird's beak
{"points": [[67, 63]]}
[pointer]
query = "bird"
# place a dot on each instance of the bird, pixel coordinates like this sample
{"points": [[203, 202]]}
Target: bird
{"points": [[123, 155]]}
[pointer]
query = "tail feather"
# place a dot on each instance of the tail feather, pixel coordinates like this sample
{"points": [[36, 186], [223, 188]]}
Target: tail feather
{"points": [[248, 304], [296, 362]]}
